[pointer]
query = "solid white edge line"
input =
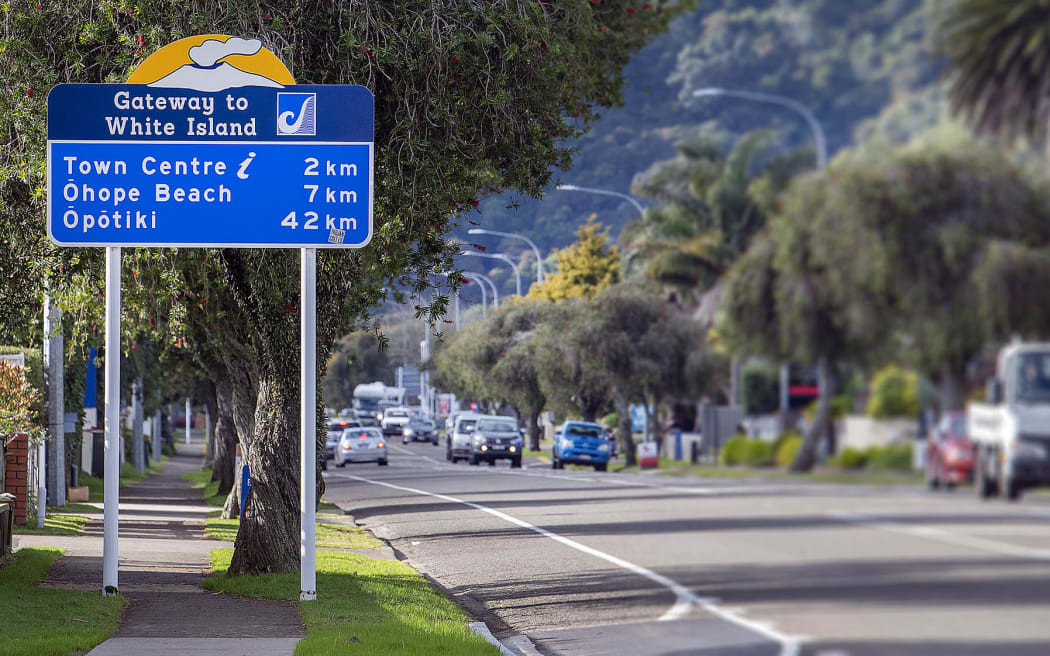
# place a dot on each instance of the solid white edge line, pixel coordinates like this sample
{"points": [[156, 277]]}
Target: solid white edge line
{"points": [[684, 598]]}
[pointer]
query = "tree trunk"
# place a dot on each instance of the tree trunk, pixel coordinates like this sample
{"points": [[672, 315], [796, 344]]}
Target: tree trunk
{"points": [[533, 430], [207, 393], [232, 508], [224, 435], [657, 426], [953, 385], [624, 435], [807, 453], [268, 540]]}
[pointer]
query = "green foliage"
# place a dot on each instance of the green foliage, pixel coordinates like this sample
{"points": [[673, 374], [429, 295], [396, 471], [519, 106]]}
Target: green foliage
{"points": [[733, 450], [611, 420], [357, 358], [19, 402], [849, 458], [742, 450], [892, 457], [894, 393], [585, 267], [759, 388], [996, 55], [786, 448]]}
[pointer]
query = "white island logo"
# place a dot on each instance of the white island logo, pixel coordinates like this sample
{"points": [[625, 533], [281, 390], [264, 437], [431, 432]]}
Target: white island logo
{"points": [[296, 113]]}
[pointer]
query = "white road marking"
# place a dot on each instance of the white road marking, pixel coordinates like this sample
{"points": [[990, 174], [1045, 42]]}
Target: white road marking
{"points": [[684, 598], [941, 535]]}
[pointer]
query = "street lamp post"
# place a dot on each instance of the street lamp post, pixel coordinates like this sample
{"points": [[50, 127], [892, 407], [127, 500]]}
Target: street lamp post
{"points": [[822, 163], [513, 235], [484, 293], [604, 192], [503, 258], [495, 290]]}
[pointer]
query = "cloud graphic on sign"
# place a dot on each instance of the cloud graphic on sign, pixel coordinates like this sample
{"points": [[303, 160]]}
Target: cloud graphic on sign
{"points": [[212, 50]]}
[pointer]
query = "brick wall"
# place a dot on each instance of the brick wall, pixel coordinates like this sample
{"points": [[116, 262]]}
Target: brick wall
{"points": [[15, 474]]}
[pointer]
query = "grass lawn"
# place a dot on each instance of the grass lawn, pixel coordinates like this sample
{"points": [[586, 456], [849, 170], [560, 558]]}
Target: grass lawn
{"points": [[339, 536], [45, 621], [74, 507], [128, 475], [365, 607], [209, 489], [54, 525], [670, 467]]}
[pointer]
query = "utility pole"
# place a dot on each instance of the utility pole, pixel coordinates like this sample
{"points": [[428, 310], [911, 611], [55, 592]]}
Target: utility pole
{"points": [[188, 421], [138, 445]]}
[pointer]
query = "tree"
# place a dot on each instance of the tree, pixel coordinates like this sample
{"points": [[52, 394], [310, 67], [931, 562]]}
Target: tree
{"points": [[1000, 79], [572, 387], [470, 100], [358, 358], [585, 267]]}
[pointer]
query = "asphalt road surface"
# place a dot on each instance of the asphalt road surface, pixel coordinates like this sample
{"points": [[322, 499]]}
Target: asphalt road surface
{"points": [[587, 563]]}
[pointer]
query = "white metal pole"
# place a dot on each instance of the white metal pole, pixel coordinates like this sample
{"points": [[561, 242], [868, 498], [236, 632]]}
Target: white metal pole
{"points": [[308, 425], [138, 445], [111, 497], [455, 304], [188, 420], [41, 484], [156, 436], [54, 352]]}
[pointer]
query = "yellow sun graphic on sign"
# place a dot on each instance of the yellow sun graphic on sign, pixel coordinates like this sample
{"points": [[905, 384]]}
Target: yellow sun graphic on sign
{"points": [[212, 62]]}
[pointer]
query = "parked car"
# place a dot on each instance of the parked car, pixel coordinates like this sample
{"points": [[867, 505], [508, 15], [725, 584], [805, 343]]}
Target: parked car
{"points": [[361, 445], [949, 452], [394, 420], [419, 429], [496, 438], [457, 441], [581, 443]]}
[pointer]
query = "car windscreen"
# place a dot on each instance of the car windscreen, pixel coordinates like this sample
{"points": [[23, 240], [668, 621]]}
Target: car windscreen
{"points": [[467, 425], [424, 424], [496, 426], [367, 433], [365, 404], [584, 431], [1033, 385], [396, 413]]}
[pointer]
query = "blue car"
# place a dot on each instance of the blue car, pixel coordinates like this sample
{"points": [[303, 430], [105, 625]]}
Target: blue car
{"points": [[581, 443]]}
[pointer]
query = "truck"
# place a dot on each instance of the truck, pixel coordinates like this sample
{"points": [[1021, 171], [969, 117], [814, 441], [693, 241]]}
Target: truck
{"points": [[371, 399], [1011, 430]]}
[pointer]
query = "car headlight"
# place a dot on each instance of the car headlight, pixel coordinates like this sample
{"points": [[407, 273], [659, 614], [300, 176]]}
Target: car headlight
{"points": [[566, 443], [604, 447], [409, 432], [512, 448], [379, 416], [1034, 450]]}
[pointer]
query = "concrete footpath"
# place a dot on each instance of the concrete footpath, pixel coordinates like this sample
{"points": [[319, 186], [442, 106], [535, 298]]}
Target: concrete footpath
{"points": [[163, 561]]}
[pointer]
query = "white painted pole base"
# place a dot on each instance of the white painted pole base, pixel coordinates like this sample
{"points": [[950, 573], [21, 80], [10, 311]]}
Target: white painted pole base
{"points": [[188, 421], [111, 498], [41, 484], [308, 425]]}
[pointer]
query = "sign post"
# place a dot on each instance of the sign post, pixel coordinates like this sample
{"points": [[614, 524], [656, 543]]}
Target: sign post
{"points": [[224, 151]]}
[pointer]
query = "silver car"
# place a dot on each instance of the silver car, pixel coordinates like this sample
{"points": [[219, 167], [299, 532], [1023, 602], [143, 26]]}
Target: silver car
{"points": [[457, 443], [364, 444]]}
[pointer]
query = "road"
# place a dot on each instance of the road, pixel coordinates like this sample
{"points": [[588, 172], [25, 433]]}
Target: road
{"points": [[601, 563]]}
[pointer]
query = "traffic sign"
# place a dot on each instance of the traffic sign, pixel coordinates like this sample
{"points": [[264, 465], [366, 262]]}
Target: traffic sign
{"points": [[138, 165]]}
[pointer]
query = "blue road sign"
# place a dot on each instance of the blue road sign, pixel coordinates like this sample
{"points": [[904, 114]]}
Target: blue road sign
{"points": [[253, 167]]}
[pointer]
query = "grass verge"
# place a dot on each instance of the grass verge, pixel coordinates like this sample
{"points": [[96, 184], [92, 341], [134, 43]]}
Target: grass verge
{"points": [[55, 525], [46, 621], [128, 475], [201, 479], [670, 467], [365, 607], [339, 536]]}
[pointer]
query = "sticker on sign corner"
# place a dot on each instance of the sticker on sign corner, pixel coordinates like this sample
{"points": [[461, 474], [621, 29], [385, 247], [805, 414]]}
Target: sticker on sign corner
{"points": [[336, 236]]}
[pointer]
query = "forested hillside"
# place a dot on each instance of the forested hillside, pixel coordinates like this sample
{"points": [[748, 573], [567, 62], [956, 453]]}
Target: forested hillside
{"points": [[862, 66]]}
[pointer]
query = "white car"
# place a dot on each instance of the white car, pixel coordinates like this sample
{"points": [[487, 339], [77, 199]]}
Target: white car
{"points": [[457, 442], [394, 420], [364, 444]]}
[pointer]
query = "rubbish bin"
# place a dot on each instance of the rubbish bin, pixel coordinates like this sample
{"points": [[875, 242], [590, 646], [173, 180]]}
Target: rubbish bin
{"points": [[7, 523]]}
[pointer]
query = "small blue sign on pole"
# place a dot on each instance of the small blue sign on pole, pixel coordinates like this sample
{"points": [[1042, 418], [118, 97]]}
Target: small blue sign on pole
{"points": [[246, 486]]}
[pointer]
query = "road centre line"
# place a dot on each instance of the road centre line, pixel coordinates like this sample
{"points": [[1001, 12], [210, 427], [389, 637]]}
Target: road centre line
{"points": [[941, 535], [684, 598]]}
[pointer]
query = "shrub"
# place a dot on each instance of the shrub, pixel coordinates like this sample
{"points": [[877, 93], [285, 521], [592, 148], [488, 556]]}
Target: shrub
{"points": [[19, 402], [733, 451], [894, 393], [611, 420], [896, 457], [850, 458], [787, 447], [758, 453]]}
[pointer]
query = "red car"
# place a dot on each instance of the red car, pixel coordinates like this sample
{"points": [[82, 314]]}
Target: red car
{"points": [[949, 453]]}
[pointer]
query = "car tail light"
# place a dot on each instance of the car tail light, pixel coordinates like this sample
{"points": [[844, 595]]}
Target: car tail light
{"points": [[381, 445]]}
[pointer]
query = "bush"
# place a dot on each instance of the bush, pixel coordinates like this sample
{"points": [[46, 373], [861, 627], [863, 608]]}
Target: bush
{"points": [[733, 451], [850, 458], [34, 373], [787, 446], [894, 393], [611, 420], [758, 453], [895, 457]]}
